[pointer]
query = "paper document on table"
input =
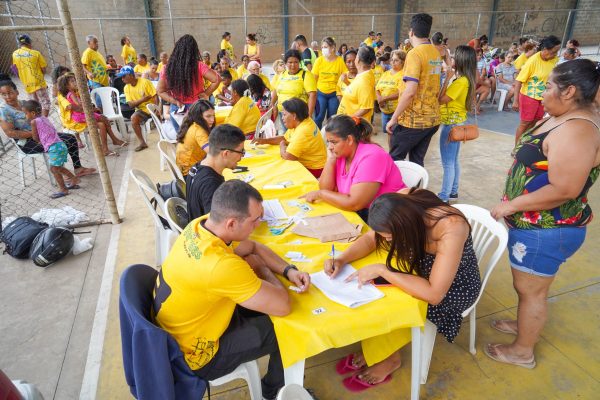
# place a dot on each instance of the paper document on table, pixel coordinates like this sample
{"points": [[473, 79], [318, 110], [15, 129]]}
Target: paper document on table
{"points": [[328, 228], [273, 212], [345, 293]]}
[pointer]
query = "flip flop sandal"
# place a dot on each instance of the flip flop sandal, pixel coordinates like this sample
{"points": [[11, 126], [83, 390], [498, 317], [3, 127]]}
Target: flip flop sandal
{"points": [[124, 144], [111, 153], [355, 384], [140, 148], [344, 366], [495, 323], [72, 187], [500, 357], [58, 195]]}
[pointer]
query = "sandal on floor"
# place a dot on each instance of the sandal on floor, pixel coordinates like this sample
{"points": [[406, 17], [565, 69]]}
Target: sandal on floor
{"points": [[71, 187], [345, 366], [500, 357], [85, 171], [355, 384], [141, 147], [111, 153], [498, 324], [58, 195], [124, 144]]}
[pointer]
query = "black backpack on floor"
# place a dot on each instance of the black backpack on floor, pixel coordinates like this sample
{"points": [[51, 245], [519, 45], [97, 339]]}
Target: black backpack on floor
{"points": [[19, 234]]}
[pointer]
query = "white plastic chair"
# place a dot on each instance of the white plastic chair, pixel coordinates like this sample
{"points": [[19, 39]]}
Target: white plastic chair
{"points": [[413, 174], [484, 231], [247, 371], [111, 107], [167, 151], [503, 94], [153, 111], [293, 391], [164, 236], [22, 156], [262, 121], [176, 213]]}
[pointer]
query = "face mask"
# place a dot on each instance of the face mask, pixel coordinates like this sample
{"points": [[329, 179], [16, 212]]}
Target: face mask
{"points": [[325, 51]]}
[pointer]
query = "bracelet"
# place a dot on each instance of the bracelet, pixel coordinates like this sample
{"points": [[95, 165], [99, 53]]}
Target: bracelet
{"points": [[287, 269]]}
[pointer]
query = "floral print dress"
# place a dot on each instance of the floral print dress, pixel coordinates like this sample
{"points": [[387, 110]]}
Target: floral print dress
{"points": [[528, 173]]}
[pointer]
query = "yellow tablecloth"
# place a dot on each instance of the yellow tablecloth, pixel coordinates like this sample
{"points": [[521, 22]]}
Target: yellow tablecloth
{"points": [[302, 334]]}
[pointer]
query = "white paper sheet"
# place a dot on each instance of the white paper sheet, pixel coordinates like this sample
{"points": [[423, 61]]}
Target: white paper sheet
{"points": [[274, 213], [345, 293]]}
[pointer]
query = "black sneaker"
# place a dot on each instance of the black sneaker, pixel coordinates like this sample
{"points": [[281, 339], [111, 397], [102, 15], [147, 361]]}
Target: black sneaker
{"points": [[453, 198]]}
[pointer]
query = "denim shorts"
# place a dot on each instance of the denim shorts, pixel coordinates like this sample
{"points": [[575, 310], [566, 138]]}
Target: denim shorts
{"points": [[541, 251]]}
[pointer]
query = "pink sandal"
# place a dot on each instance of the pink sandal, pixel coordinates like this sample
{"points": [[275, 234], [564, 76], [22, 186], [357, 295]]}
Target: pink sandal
{"points": [[355, 384], [345, 366]]}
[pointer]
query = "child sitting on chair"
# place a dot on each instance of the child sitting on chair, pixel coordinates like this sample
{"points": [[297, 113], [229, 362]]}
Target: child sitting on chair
{"points": [[43, 132], [67, 86]]}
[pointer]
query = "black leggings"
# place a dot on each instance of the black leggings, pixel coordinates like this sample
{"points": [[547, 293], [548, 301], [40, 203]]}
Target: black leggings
{"points": [[33, 147]]}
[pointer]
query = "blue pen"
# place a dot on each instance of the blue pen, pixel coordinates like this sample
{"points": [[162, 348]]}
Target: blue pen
{"points": [[332, 256]]}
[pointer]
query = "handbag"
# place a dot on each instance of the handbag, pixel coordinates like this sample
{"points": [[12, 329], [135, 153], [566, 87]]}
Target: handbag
{"points": [[462, 133]]}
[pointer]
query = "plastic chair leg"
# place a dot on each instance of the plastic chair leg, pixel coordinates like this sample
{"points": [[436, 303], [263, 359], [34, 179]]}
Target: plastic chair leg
{"points": [[503, 94], [253, 379], [472, 328], [50, 176], [428, 341]]}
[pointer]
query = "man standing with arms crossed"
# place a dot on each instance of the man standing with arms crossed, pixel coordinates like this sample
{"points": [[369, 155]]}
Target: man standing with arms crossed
{"points": [[417, 116]]}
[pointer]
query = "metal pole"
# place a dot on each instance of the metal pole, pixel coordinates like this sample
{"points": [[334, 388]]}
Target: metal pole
{"points": [[71, 40], [46, 34], [102, 35], [171, 19], [478, 22], [372, 22], [312, 29], [245, 20], [12, 22], [564, 38], [524, 21]]}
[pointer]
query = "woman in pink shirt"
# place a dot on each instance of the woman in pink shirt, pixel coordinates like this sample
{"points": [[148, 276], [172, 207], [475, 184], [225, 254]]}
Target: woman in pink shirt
{"points": [[357, 171], [181, 81]]}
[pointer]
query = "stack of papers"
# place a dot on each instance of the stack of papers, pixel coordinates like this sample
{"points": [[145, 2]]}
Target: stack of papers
{"points": [[345, 293], [274, 213]]}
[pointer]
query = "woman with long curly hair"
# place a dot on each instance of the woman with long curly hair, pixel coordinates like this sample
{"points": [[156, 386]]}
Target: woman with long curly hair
{"points": [[193, 136], [182, 81]]}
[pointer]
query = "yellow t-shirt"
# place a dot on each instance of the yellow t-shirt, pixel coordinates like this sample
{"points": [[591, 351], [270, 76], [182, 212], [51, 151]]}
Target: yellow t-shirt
{"points": [[388, 84], [455, 111], [160, 67], [245, 115], [341, 86], [140, 69], [275, 80], [534, 75], [234, 74], [328, 73], [266, 81], [65, 115], [251, 49], [96, 63], [197, 290], [242, 72], [129, 54], [424, 66], [359, 95], [520, 61], [378, 72], [142, 89], [29, 64], [225, 45], [307, 144], [298, 85], [368, 41], [192, 150]]}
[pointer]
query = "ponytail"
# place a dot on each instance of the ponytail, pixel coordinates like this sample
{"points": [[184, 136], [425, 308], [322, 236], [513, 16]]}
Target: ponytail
{"points": [[343, 126]]}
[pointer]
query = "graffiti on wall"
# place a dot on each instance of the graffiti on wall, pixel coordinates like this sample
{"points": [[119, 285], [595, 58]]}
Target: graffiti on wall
{"points": [[536, 23]]}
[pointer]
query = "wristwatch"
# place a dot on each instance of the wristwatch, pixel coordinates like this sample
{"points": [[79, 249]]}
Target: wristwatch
{"points": [[287, 269]]}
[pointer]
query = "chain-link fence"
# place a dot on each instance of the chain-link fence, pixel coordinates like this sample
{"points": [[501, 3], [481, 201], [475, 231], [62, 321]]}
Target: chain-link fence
{"points": [[26, 181]]}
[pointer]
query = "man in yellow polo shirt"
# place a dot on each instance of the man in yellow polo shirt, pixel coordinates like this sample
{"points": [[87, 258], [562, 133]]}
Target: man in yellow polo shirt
{"points": [[216, 289], [417, 116], [139, 92], [31, 66]]}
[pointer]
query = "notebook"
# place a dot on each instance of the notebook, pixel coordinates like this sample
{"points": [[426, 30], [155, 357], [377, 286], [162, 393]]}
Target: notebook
{"points": [[345, 293]]}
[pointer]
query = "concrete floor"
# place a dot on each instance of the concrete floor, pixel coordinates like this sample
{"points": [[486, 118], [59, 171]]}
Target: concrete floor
{"points": [[44, 338]]}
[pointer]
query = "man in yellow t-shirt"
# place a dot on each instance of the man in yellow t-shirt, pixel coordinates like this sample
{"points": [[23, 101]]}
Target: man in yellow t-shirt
{"points": [[139, 92], [531, 83], [94, 64], [128, 53], [31, 66], [142, 65], [370, 40], [216, 289], [417, 116], [245, 113]]}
